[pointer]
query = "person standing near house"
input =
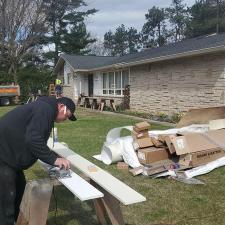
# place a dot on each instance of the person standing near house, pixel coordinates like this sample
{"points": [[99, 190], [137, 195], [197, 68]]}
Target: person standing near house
{"points": [[58, 88], [24, 132]]}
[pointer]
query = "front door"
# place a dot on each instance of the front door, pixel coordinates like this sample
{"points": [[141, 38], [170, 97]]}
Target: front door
{"points": [[90, 85]]}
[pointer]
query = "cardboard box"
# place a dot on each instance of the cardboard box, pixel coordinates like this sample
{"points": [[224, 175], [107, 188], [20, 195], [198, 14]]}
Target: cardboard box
{"points": [[196, 142], [152, 154], [143, 143], [200, 158], [139, 135], [141, 126]]}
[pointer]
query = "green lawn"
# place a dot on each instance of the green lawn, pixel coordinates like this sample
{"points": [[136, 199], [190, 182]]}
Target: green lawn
{"points": [[168, 201]]}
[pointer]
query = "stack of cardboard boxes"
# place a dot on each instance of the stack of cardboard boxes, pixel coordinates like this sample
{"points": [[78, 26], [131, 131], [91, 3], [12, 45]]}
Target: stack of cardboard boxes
{"points": [[182, 150], [149, 149]]}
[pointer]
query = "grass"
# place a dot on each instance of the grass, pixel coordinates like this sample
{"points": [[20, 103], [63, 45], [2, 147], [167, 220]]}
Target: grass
{"points": [[168, 201]]}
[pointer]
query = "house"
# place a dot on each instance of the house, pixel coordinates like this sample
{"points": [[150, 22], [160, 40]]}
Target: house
{"points": [[169, 79]]}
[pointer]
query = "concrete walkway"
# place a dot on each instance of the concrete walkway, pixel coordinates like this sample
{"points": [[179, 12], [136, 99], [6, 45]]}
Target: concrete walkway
{"points": [[129, 116]]}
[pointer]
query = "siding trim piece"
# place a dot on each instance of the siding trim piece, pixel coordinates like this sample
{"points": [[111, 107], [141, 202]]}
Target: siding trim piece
{"points": [[114, 186]]}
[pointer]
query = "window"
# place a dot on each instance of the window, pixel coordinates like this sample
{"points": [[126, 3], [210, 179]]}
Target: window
{"points": [[115, 82]]}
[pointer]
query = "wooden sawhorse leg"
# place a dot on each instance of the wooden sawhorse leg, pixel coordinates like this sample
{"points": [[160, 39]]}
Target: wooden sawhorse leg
{"points": [[112, 104], [102, 104], [110, 205], [35, 203]]}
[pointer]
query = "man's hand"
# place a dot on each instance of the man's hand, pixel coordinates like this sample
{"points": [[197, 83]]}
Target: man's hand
{"points": [[62, 163]]}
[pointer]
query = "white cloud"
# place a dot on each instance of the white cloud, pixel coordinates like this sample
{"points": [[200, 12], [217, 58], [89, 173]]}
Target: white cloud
{"points": [[113, 13]]}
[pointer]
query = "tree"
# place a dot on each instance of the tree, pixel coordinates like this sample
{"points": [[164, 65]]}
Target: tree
{"points": [[123, 41], [154, 31], [109, 42], [177, 15], [32, 78], [22, 24], [206, 17], [120, 41], [134, 41], [67, 28]]}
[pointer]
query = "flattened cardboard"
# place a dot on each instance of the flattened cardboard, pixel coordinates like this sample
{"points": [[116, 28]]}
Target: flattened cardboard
{"points": [[169, 142], [201, 158], [144, 142], [154, 170], [196, 142], [152, 154], [141, 126], [137, 171], [122, 166], [156, 142], [202, 116]]}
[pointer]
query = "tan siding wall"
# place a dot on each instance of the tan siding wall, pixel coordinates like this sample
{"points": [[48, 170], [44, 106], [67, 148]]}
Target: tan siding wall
{"points": [[178, 85]]}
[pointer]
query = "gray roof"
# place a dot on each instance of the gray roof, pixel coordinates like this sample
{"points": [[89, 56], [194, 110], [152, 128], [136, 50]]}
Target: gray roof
{"points": [[86, 61], [185, 46]]}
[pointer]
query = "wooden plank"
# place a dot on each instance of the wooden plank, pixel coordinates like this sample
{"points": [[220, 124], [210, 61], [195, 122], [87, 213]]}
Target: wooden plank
{"points": [[78, 186], [115, 187], [100, 211], [35, 203]]}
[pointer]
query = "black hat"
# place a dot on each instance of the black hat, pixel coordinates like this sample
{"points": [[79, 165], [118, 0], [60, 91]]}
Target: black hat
{"points": [[70, 105]]}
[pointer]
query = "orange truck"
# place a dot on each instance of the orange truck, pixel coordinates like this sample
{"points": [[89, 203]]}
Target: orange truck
{"points": [[7, 92]]}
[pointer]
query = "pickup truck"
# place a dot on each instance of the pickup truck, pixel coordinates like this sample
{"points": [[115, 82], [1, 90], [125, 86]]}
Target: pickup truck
{"points": [[7, 92]]}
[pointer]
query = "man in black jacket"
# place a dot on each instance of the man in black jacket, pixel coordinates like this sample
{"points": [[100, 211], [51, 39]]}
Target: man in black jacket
{"points": [[24, 132]]}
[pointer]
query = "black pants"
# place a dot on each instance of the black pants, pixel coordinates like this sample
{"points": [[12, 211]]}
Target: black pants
{"points": [[12, 185]]}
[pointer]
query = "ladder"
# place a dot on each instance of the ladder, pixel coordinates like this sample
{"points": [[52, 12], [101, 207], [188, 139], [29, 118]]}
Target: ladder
{"points": [[51, 90]]}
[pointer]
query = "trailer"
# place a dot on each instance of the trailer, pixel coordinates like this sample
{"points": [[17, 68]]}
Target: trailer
{"points": [[7, 93]]}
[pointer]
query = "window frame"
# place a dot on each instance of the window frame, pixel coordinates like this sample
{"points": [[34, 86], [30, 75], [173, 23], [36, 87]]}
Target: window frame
{"points": [[105, 78]]}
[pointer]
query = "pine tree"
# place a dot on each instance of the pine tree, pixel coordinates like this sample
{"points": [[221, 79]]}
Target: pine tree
{"points": [[177, 15], [123, 41], [154, 31], [67, 28], [206, 17]]}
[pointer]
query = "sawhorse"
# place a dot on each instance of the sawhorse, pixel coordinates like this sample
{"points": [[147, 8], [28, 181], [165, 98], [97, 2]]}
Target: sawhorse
{"points": [[36, 200]]}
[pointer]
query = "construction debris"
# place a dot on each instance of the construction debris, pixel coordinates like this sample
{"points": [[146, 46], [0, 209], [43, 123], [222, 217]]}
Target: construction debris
{"points": [[122, 166], [170, 152]]}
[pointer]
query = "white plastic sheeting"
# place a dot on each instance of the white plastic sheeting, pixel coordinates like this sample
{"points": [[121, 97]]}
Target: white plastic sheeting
{"points": [[118, 148], [194, 128], [205, 168]]}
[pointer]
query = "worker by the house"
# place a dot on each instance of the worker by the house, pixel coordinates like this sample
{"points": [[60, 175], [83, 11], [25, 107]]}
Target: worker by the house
{"points": [[24, 132], [58, 88]]}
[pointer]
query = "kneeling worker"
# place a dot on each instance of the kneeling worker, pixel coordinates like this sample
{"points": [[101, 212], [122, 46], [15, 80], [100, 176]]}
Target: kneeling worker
{"points": [[24, 132]]}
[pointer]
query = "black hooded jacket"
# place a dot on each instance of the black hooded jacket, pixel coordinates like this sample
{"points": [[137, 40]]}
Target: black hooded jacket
{"points": [[24, 132]]}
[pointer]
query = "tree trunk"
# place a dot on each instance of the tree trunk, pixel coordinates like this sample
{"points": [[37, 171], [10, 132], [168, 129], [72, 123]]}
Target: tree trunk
{"points": [[12, 72]]}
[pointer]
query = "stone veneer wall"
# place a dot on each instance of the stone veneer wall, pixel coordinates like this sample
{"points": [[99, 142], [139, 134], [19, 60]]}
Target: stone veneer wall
{"points": [[178, 85], [68, 90]]}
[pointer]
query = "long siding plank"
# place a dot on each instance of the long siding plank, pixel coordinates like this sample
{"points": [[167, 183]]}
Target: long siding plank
{"points": [[114, 186]]}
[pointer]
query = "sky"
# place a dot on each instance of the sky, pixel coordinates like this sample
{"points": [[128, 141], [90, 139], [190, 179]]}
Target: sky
{"points": [[113, 13]]}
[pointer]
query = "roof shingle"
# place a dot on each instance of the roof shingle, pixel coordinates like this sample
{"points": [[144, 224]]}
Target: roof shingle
{"points": [[87, 62]]}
